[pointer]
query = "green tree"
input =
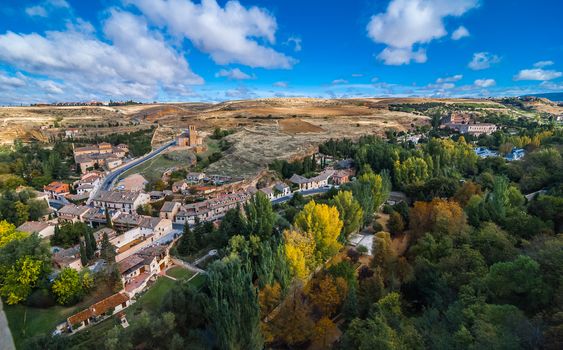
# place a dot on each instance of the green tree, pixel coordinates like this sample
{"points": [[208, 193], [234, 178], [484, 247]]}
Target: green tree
{"points": [[518, 282], [396, 224], [351, 213], [187, 244], [70, 286], [22, 212], [107, 250], [233, 223], [233, 306], [83, 255], [385, 328], [493, 243], [260, 216]]}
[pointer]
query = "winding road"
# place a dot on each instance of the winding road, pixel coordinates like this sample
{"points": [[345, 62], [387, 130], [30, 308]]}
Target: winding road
{"points": [[111, 177]]}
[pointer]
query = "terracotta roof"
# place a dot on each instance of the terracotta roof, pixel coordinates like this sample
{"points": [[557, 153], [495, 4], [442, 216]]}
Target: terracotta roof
{"points": [[98, 308], [80, 317]]}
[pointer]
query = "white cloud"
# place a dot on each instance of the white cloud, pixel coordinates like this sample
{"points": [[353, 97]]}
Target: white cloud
{"points": [[234, 74], [357, 75], [43, 9], [397, 56], [460, 32], [483, 60], [58, 3], [281, 84], [11, 81], [542, 64], [339, 81], [484, 83], [50, 86], [230, 34], [551, 85], [36, 11], [537, 74], [409, 22], [241, 92], [132, 62], [451, 79], [296, 42]]}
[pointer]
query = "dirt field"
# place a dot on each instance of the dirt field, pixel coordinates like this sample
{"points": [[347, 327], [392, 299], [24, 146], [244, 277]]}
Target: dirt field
{"points": [[298, 126], [266, 129]]}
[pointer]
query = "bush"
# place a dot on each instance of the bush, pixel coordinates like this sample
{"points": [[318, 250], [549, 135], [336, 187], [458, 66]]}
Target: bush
{"points": [[353, 254], [362, 249], [377, 227], [40, 298], [387, 209]]}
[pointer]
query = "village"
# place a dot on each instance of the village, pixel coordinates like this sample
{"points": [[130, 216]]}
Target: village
{"points": [[133, 226], [141, 243]]}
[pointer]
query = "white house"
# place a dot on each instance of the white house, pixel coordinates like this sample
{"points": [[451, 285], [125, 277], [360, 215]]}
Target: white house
{"points": [[124, 201]]}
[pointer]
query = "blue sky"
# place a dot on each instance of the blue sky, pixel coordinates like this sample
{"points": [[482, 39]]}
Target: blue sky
{"points": [[182, 50]]}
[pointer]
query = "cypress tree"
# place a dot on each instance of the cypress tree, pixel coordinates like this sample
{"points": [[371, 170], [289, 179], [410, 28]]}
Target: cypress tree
{"points": [[233, 306], [187, 243], [92, 242], [107, 252], [83, 257], [88, 246], [108, 219]]}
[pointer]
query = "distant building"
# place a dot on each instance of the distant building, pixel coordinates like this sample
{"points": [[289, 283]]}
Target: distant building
{"points": [[457, 118], [102, 155], [477, 129], [211, 209], [484, 152], [56, 190], [68, 258], [341, 177], [169, 210], [195, 177], [179, 186], [279, 190], [42, 228], [72, 213], [314, 182], [189, 138], [124, 201], [98, 311], [137, 269], [515, 154]]}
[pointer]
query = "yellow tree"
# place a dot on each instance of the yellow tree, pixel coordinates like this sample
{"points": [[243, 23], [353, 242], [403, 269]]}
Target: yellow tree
{"points": [[19, 280], [323, 223], [299, 253], [439, 216], [325, 333], [324, 294], [269, 297], [8, 233]]}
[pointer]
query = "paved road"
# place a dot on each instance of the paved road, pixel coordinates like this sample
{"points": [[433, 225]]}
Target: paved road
{"points": [[304, 193], [114, 175]]}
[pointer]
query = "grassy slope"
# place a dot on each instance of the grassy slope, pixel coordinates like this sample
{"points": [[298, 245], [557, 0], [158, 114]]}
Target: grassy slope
{"points": [[179, 272]]}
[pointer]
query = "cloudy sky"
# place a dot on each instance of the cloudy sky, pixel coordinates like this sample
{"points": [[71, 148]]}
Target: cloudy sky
{"points": [[210, 50]]}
